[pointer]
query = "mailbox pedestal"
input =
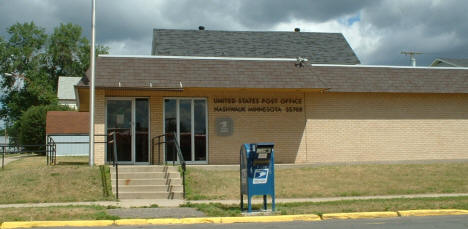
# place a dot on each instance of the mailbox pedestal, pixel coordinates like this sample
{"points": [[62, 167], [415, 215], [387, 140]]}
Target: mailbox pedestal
{"points": [[257, 175]]}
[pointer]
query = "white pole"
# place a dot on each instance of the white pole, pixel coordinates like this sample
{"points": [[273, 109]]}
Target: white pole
{"points": [[91, 87], [413, 60]]}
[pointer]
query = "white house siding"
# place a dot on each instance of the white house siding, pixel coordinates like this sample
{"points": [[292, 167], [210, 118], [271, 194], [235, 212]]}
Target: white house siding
{"points": [[81, 149], [3, 140]]}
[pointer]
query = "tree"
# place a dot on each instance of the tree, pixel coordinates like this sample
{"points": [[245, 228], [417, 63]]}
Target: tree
{"points": [[68, 52], [23, 78], [31, 62], [31, 126]]}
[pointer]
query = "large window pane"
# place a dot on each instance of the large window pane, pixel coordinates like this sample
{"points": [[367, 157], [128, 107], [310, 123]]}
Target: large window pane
{"points": [[185, 115], [200, 129], [119, 117], [188, 118], [141, 130], [170, 127]]}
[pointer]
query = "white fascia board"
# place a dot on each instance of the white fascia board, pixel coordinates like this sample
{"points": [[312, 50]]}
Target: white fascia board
{"points": [[388, 66], [198, 57]]}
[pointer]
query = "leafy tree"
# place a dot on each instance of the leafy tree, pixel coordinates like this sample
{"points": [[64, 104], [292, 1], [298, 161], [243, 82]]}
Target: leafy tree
{"points": [[68, 52], [21, 68], [31, 126], [31, 62]]}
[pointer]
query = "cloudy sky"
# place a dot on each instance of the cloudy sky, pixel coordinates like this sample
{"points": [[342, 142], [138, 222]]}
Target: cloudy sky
{"points": [[378, 30]]}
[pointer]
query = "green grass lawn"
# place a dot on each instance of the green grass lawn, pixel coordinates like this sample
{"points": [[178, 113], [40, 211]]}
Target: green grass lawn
{"points": [[215, 209], [55, 213], [336, 181], [30, 180]]}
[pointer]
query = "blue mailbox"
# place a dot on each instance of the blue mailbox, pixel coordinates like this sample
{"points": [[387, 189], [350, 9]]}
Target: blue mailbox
{"points": [[257, 173]]}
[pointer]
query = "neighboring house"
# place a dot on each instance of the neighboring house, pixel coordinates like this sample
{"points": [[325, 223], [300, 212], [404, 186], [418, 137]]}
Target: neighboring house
{"points": [[66, 91], [330, 110], [4, 140], [450, 62], [70, 131]]}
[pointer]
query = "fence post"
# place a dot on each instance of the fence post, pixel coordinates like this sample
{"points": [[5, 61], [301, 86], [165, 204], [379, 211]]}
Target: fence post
{"points": [[3, 157]]}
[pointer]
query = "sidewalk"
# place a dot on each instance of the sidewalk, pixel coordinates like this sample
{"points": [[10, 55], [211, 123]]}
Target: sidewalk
{"points": [[11, 159], [177, 203]]}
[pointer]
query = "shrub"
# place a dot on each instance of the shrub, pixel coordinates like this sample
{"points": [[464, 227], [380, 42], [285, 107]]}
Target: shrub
{"points": [[32, 124]]}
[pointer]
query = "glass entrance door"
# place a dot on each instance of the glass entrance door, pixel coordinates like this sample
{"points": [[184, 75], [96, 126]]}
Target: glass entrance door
{"points": [[129, 118], [186, 119]]}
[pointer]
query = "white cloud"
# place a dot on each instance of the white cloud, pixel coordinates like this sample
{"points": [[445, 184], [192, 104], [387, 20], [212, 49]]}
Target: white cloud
{"points": [[386, 27], [360, 36], [129, 47]]}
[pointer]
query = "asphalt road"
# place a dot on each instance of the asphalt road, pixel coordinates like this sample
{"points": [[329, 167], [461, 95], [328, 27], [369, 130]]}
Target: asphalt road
{"points": [[430, 222]]}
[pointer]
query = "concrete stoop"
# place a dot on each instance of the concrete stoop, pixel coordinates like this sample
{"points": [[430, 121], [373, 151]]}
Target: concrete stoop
{"points": [[148, 182]]}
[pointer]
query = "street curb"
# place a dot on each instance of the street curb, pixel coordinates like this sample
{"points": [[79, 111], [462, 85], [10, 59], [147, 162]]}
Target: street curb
{"points": [[267, 219], [359, 215], [228, 220], [77, 223], [431, 212]]}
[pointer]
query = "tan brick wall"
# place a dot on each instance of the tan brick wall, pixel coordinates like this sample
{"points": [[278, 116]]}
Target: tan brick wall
{"points": [[350, 127], [340, 127], [283, 128], [99, 127]]}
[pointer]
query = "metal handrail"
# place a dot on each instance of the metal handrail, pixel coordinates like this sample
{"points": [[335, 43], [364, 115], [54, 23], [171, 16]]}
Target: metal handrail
{"points": [[51, 151], [115, 162], [180, 158], [178, 151], [159, 147]]}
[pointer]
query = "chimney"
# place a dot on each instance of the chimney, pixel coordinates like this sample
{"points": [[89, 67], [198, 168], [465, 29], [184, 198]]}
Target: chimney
{"points": [[201, 27], [297, 30]]}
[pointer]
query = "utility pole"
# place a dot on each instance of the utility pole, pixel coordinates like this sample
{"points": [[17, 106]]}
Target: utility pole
{"points": [[412, 55], [91, 86]]}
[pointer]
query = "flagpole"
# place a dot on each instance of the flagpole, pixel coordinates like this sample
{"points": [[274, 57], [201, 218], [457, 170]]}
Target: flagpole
{"points": [[91, 86]]}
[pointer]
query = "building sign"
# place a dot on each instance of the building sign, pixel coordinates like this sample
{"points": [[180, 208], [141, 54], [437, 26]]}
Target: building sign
{"points": [[224, 126], [259, 105]]}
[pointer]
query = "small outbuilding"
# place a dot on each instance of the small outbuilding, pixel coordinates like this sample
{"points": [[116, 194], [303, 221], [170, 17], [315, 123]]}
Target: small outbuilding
{"points": [[70, 130]]}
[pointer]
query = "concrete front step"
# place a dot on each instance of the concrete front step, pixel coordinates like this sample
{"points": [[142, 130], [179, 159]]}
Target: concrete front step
{"points": [[149, 188], [145, 175], [157, 181], [151, 195], [145, 168], [147, 182]]}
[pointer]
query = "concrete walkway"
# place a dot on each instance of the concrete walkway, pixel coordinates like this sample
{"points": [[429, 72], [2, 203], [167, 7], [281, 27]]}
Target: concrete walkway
{"points": [[11, 159], [177, 203]]}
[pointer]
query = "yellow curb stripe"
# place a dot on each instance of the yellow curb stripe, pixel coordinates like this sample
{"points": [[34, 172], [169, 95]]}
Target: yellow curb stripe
{"points": [[265, 219], [359, 215], [78, 223], [431, 212], [226, 220], [124, 222], [165, 221]]}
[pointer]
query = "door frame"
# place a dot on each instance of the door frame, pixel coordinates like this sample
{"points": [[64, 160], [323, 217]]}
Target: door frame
{"points": [[192, 162], [132, 124]]}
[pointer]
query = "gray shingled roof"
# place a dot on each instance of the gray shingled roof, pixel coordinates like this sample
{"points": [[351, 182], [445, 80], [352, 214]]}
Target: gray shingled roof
{"points": [[325, 48], [451, 62], [168, 73]]}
